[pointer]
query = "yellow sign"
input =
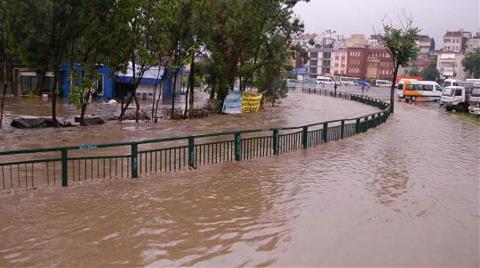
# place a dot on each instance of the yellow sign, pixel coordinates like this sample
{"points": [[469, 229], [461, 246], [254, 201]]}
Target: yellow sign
{"points": [[251, 102]]}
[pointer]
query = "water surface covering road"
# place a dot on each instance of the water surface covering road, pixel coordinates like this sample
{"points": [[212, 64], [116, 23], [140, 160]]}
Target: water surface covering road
{"points": [[404, 194]]}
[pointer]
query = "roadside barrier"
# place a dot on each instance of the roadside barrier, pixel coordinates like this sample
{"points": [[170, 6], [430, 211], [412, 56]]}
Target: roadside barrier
{"points": [[59, 166]]}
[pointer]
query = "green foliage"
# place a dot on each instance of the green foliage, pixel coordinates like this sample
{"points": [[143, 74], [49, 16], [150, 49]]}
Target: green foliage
{"points": [[400, 42], [431, 73], [237, 40], [83, 87], [414, 72], [471, 63]]}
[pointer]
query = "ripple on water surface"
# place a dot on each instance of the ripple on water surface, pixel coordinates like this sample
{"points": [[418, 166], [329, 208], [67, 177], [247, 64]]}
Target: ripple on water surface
{"points": [[403, 194]]}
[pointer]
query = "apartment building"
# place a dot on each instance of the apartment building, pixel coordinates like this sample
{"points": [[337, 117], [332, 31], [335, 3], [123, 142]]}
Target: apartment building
{"points": [[357, 61], [456, 41], [450, 57], [320, 60], [449, 64], [379, 63], [473, 44], [339, 62]]}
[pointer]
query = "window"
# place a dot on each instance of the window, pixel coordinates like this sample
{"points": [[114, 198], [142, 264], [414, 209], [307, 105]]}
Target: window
{"points": [[47, 84], [100, 84], [458, 92], [428, 87], [27, 84], [314, 55]]}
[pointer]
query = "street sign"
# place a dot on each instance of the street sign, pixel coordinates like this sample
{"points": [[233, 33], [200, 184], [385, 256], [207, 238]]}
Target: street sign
{"points": [[301, 71]]}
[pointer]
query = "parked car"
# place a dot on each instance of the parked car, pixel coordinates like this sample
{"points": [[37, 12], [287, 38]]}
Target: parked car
{"points": [[324, 80], [383, 83], [454, 98]]}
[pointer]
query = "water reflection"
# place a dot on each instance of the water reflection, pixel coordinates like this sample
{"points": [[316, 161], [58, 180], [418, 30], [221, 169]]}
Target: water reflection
{"points": [[390, 179]]}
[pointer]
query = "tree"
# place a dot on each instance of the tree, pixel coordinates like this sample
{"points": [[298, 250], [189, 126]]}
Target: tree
{"points": [[240, 32], [83, 87], [7, 22], [400, 43], [431, 73], [471, 63], [46, 30]]}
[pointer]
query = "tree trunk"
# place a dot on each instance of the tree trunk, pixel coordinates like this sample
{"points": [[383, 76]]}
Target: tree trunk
{"points": [[40, 81], [185, 111], [137, 111], [155, 120], [191, 84], [392, 89], [4, 91], [54, 99], [173, 93], [154, 100], [82, 114]]}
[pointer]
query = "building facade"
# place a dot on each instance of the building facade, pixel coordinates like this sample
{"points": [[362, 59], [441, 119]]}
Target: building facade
{"points": [[357, 62], [339, 62], [449, 64], [379, 64], [320, 61]]}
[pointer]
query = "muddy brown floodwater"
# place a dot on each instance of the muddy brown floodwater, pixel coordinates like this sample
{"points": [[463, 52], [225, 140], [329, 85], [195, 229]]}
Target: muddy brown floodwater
{"points": [[403, 194]]}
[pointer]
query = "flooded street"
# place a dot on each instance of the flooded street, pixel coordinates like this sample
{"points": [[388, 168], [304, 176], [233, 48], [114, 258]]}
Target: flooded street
{"points": [[403, 194], [296, 110]]}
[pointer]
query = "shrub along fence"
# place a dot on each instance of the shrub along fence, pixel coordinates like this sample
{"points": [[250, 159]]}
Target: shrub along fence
{"points": [[30, 168]]}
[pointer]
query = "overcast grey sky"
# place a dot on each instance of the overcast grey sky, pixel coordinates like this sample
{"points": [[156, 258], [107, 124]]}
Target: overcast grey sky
{"points": [[434, 17]]}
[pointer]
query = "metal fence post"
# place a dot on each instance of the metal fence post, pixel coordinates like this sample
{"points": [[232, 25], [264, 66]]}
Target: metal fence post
{"points": [[64, 167], [238, 144], [191, 151], [357, 126], [134, 159], [275, 142], [305, 137], [325, 132], [342, 129]]}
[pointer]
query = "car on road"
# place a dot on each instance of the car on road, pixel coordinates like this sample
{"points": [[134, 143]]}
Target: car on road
{"points": [[324, 80], [383, 83], [349, 81]]}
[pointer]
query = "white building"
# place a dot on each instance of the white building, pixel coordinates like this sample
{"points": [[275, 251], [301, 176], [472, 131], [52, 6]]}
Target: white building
{"points": [[339, 61], [473, 44], [449, 64]]}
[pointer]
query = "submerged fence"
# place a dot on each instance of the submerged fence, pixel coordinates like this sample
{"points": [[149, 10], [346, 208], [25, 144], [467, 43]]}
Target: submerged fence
{"points": [[27, 169]]}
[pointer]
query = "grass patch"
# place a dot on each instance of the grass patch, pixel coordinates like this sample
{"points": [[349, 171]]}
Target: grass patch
{"points": [[469, 117]]}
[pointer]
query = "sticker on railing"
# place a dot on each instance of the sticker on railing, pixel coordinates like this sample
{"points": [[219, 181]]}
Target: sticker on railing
{"points": [[87, 147]]}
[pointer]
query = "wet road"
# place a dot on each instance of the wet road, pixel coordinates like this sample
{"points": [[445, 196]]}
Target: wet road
{"points": [[404, 194]]}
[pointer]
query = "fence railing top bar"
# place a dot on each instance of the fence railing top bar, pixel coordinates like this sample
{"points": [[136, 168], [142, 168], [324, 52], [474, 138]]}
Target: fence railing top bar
{"points": [[215, 134]]}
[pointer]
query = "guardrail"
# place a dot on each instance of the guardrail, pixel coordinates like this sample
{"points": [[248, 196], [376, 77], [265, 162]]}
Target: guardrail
{"points": [[29, 168]]}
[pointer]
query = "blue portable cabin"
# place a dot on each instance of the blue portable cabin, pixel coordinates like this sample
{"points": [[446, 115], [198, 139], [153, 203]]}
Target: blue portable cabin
{"points": [[104, 81], [156, 76]]}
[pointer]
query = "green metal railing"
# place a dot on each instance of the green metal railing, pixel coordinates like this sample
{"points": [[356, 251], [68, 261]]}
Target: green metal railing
{"points": [[29, 168]]}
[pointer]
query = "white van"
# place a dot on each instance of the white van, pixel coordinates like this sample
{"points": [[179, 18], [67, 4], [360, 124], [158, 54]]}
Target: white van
{"points": [[383, 83], [349, 81], [324, 80], [413, 89]]}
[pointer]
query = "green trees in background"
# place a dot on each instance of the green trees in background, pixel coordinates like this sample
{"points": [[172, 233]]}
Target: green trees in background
{"points": [[471, 63], [240, 43]]}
